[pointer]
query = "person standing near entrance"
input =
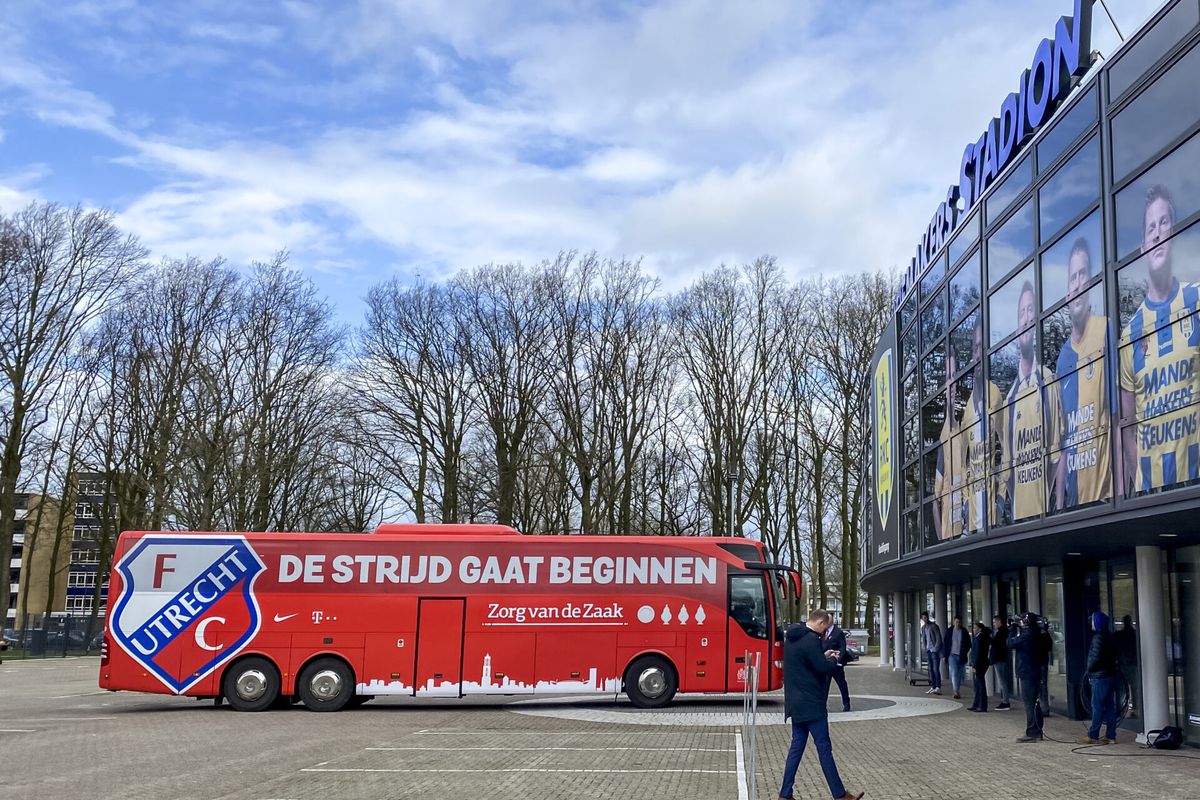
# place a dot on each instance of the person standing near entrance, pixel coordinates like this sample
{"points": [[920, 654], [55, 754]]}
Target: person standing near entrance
{"points": [[998, 658], [1026, 643], [835, 639], [933, 650], [981, 640], [1103, 668], [806, 672], [958, 647]]}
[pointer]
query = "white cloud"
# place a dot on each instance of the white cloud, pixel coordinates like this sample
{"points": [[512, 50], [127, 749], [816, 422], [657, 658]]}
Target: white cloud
{"points": [[688, 133]]}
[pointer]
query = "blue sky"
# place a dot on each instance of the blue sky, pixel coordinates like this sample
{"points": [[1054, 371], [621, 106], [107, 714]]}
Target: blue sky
{"points": [[380, 138]]}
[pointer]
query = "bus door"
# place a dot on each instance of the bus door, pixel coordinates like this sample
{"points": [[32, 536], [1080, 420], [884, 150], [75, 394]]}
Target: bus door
{"points": [[748, 628], [438, 668]]}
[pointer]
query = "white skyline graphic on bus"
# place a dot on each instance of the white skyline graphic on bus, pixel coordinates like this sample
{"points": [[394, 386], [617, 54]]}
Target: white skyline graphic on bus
{"points": [[488, 685]]}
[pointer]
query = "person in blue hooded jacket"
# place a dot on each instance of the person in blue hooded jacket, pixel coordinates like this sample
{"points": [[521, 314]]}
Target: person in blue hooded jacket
{"points": [[807, 668], [1103, 669]]}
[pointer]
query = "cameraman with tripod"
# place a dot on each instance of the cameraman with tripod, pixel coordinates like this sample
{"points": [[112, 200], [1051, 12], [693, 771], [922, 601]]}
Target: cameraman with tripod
{"points": [[1028, 641]]}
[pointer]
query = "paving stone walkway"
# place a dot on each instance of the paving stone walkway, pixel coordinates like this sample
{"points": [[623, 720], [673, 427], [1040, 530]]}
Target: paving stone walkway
{"points": [[959, 755]]}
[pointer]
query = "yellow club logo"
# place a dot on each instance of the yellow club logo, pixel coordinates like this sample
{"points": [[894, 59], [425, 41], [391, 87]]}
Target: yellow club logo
{"points": [[884, 400]]}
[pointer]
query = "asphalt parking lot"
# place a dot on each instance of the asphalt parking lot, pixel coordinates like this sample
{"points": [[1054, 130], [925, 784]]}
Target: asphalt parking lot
{"points": [[62, 737]]}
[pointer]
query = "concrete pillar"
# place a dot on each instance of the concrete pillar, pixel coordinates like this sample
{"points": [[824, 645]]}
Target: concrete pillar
{"points": [[988, 609], [1033, 590], [939, 610], [898, 626], [939, 605], [912, 629], [885, 648], [1151, 635]]}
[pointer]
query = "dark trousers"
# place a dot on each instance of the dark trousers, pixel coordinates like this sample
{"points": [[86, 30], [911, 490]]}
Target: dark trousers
{"points": [[1104, 707], [1004, 680], [819, 730], [839, 675], [1031, 693], [981, 693]]}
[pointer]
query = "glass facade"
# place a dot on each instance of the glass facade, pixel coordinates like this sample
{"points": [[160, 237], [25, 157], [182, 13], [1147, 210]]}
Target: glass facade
{"points": [[1049, 383], [1051, 355]]}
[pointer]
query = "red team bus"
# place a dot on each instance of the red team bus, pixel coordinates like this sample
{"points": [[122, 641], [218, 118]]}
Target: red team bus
{"points": [[438, 610]]}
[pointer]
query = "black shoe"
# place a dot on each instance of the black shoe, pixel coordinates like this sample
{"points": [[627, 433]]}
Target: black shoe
{"points": [[1029, 739], [846, 708], [974, 709], [1004, 707]]}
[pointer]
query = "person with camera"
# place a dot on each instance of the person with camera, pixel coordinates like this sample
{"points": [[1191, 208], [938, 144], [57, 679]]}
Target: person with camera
{"points": [[932, 635], [1103, 670], [835, 639], [1027, 642]]}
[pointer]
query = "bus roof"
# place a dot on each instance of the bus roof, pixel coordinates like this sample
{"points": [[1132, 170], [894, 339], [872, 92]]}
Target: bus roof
{"points": [[434, 531]]}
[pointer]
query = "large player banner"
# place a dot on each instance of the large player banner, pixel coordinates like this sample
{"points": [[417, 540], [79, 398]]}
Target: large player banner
{"points": [[884, 545]]}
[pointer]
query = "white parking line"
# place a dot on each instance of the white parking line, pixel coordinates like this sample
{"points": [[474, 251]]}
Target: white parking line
{"points": [[743, 791], [566, 749], [58, 719], [477, 732], [17, 730], [537, 769]]}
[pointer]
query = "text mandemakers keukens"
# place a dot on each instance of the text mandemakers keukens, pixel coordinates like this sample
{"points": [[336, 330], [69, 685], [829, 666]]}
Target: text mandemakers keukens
{"points": [[1039, 90], [370, 568]]}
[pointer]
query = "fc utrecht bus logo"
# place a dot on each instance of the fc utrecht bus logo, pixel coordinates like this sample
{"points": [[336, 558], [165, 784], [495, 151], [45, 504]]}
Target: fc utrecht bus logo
{"points": [[187, 604]]}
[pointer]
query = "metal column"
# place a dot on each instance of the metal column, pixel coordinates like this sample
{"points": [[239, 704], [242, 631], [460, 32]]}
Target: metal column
{"points": [[1033, 591], [989, 609], [885, 649], [1151, 635], [900, 629]]}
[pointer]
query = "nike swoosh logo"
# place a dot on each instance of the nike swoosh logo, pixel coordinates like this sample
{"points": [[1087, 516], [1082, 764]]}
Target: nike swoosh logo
{"points": [[283, 617]]}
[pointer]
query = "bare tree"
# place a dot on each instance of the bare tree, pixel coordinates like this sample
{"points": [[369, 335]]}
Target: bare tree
{"points": [[505, 335], [412, 384], [59, 267]]}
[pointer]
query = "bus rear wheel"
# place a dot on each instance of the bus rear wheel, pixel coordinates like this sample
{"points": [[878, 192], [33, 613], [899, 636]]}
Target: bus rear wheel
{"points": [[251, 684], [326, 685], [651, 682]]}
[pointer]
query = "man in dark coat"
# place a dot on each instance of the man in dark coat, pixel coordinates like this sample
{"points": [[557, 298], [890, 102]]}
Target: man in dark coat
{"points": [[1027, 643], [835, 639], [806, 671], [981, 645], [1103, 669]]}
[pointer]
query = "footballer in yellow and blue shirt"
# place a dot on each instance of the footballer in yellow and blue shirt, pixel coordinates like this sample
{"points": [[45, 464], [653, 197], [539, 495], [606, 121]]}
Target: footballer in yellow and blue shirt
{"points": [[1083, 460], [1160, 364], [977, 439], [1032, 419], [948, 478]]}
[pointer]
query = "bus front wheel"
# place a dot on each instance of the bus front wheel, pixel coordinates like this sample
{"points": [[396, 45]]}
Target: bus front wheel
{"points": [[251, 684], [326, 685], [650, 682]]}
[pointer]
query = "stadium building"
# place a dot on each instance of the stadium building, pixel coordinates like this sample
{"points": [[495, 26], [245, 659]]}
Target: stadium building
{"points": [[1035, 406]]}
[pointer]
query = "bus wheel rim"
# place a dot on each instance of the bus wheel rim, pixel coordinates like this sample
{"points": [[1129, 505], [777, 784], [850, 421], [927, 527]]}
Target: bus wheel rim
{"points": [[652, 682], [326, 684], [251, 685]]}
